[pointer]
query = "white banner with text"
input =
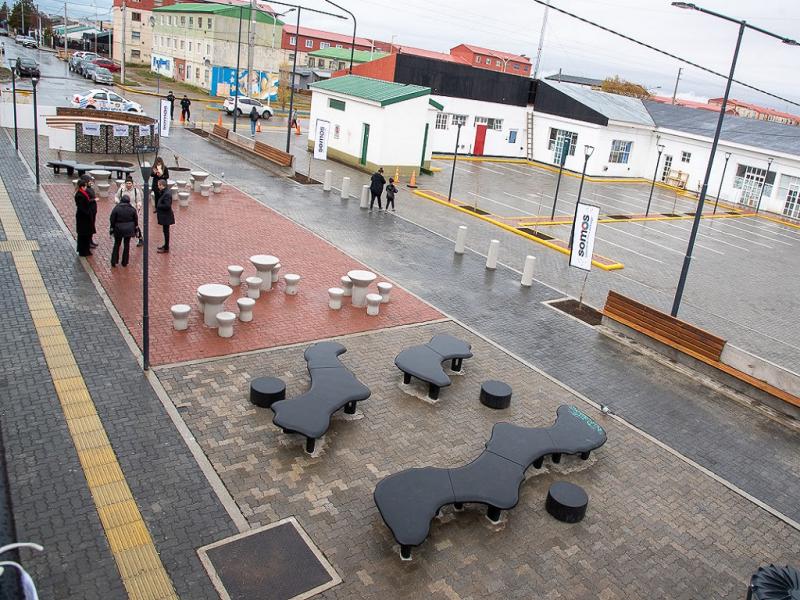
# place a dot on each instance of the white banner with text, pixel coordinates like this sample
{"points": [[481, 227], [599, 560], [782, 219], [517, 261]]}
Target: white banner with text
{"points": [[584, 230]]}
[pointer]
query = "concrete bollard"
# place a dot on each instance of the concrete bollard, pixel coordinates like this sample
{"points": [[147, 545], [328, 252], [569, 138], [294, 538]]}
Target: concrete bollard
{"points": [[365, 197], [461, 239], [527, 271], [345, 188], [328, 181], [491, 259]]}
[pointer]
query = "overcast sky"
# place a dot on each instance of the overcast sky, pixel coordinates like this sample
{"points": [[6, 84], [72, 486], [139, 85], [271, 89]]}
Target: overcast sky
{"points": [[579, 49]]}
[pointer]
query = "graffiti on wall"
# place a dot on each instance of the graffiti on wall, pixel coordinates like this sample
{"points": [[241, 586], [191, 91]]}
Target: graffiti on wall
{"points": [[261, 85]]}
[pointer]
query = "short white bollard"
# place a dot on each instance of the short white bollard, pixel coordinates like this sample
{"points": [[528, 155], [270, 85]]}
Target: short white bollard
{"points": [[347, 285], [335, 298], [254, 287], [275, 270], [364, 197], [373, 304], [491, 259], [235, 275], [291, 283], [461, 239], [225, 320], [385, 290], [527, 271], [180, 316], [345, 188], [245, 309], [327, 183]]}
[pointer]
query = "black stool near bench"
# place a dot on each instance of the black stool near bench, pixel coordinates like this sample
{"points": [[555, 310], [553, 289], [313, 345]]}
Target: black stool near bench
{"points": [[495, 394], [566, 502], [266, 390]]}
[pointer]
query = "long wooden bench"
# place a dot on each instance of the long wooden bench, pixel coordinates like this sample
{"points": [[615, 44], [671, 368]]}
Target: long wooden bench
{"points": [[279, 157], [220, 131], [692, 341]]}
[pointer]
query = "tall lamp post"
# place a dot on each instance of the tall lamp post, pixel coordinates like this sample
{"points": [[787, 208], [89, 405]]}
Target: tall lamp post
{"points": [[763, 185], [455, 156], [721, 179], [34, 83], [238, 63], [145, 166], [564, 151], [14, 99], [701, 200], [587, 153], [353, 45], [653, 183]]}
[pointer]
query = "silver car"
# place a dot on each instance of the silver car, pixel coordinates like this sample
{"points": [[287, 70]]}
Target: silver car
{"points": [[102, 75]]}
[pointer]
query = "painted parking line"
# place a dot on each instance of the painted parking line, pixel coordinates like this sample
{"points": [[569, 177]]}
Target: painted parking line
{"points": [[514, 208], [710, 226], [622, 205], [668, 249], [486, 169], [684, 240], [766, 237], [549, 206], [538, 204], [568, 230], [776, 231], [717, 240], [522, 171]]}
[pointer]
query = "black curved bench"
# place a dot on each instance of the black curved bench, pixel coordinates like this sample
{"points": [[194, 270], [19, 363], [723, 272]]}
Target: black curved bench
{"points": [[333, 386], [425, 361], [71, 166], [410, 499]]}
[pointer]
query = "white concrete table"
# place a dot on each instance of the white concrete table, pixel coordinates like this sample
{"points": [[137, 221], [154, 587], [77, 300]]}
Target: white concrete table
{"points": [[361, 281], [100, 174], [264, 264], [199, 177], [213, 296]]}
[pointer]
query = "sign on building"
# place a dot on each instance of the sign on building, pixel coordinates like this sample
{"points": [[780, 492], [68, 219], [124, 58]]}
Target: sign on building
{"points": [[120, 131], [321, 133], [165, 119], [91, 129], [583, 234]]}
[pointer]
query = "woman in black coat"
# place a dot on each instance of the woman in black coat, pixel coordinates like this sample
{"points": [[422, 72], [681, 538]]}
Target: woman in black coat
{"points": [[84, 221], [124, 221], [159, 172], [92, 207], [164, 212]]}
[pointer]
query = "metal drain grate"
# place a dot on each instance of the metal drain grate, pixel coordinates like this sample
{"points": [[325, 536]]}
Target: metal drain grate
{"points": [[537, 234]]}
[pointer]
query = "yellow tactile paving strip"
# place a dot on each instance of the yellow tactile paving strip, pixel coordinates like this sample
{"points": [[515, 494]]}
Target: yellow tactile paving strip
{"points": [[140, 567]]}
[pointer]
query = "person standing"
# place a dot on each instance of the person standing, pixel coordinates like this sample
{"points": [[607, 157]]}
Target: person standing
{"points": [[171, 99], [253, 121], [293, 118], [83, 219], [92, 207], [391, 190], [159, 172], [185, 112], [135, 196], [376, 187], [164, 213], [124, 222]]}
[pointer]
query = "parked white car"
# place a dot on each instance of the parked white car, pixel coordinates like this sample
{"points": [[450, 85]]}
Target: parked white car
{"points": [[245, 105], [105, 100]]}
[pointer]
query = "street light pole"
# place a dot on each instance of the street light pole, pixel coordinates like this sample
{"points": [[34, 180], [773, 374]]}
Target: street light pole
{"points": [[587, 152], [353, 46], [455, 155], [238, 62], [146, 170], [719, 191], [763, 185], [14, 99], [653, 184], [34, 82], [291, 82], [564, 151]]}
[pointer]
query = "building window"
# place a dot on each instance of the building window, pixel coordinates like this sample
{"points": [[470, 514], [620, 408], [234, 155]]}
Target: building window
{"points": [[498, 63], [494, 124], [190, 46], [206, 74], [336, 104], [162, 19], [331, 64], [183, 44], [323, 45], [341, 65], [136, 17], [441, 120], [686, 157], [309, 43], [488, 60], [136, 35], [620, 151], [169, 18], [135, 54], [199, 22], [183, 21], [789, 191], [459, 120], [197, 73], [292, 40], [191, 21], [477, 59], [750, 180], [310, 61], [559, 137], [208, 23], [516, 66], [512, 136], [338, 45]]}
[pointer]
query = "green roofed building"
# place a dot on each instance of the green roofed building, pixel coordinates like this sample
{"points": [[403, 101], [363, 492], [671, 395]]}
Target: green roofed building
{"points": [[336, 59]]}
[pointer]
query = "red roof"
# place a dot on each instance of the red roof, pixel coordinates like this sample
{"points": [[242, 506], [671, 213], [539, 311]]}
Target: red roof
{"points": [[326, 35], [688, 103], [430, 54], [496, 53], [759, 109]]}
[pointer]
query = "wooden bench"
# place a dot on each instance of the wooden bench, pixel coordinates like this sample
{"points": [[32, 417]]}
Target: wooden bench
{"points": [[220, 131], [279, 157], [693, 341]]}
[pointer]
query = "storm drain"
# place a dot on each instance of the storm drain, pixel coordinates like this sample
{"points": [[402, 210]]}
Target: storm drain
{"points": [[536, 234], [476, 210]]}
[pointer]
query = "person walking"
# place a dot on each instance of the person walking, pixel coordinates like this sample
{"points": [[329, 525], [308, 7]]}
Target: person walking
{"points": [[124, 221], [293, 118], [254, 116], [376, 187], [159, 172], [135, 196], [391, 190], [83, 219], [185, 112], [171, 99], [164, 213], [92, 207]]}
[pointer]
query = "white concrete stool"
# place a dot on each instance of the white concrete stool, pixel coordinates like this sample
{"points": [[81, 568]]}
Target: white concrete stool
{"points": [[373, 304], [291, 283], [245, 309], [119, 182], [102, 188], [235, 274], [75, 183], [172, 184], [275, 270], [217, 186], [347, 285], [180, 316], [225, 320], [335, 298], [183, 199], [182, 183], [385, 290], [201, 304], [253, 287], [205, 189]]}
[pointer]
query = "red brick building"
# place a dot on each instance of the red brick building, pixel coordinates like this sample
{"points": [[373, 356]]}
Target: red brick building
{"points": [[309, 40], [494, 60]]}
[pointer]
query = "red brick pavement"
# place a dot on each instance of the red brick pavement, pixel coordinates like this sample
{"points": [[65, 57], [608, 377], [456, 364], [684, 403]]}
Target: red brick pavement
{"points": [[211, 234]]}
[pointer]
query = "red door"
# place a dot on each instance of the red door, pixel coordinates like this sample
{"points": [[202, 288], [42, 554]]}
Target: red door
{"points": [[480, 139]]}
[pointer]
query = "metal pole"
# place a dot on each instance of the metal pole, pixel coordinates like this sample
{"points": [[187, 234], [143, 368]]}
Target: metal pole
{"points": [[251, 40], [541, 41], [565, 151], [653, 184], [727, 158], [687, 261], [455, 155], [238, 62], [146, 273], [14, 96], [34, 82], [763, 185], [575, 214], [124, 57], [291, 82], [353, 46], [675, 91]]}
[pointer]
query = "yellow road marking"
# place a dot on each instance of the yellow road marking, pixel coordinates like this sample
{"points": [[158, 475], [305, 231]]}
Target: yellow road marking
{"points": [[140, 567]]}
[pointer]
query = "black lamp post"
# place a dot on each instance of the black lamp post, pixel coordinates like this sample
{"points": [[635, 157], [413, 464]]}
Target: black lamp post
{"points": [[292, 81], [763, 185], [653, 184], [34, 83], [587, 153], [238, 62], [455, 155], [142, 155], [719, 191], [14, 99], [701, 200], [564, 151], [353, 46]]}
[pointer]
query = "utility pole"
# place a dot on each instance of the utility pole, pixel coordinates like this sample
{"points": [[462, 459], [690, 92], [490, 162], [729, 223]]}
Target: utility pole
{"points": [[66, 57], [251, 41], [122, 73], [675, 91], [541, 41]]}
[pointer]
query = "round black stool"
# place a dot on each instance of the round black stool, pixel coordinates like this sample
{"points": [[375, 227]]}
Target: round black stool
{"points": [[495, 394], [266, 390], [566, 502]]}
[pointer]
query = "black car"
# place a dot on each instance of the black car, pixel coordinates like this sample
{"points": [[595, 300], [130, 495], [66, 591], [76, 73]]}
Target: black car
{"points": [[27, 66]]}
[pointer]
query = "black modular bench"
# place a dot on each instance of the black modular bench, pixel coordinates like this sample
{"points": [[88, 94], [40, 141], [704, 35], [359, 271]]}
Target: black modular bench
{"points": [[425, 361]]}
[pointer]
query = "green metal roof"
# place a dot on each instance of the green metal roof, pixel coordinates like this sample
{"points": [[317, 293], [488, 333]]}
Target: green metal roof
{"points": [[220, 10], [375, 90], [359, 56]]}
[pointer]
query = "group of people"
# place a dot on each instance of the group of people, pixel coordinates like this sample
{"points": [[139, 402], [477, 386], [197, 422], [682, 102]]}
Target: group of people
{"points": [[125, 216], [186, 113], [376, 190]]}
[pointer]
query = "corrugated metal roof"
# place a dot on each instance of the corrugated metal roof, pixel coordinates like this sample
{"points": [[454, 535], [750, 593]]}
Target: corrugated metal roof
{"points": [[738, 130], [359, 56], [575, 79], [375, 90], [612, 106], [220, 10]]}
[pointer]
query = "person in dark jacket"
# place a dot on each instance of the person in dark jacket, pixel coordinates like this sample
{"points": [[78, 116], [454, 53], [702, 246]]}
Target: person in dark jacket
{"points": [[391, 190], [376, 187], [171, 99], [254, 116], [83, 219], [159, 172], [185, 112], [164, 213], [124, 221], [92, 207]]}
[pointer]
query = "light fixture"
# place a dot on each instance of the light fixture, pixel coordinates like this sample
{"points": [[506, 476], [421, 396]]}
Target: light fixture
{"points": [[684, 5], [790, 42], [661, 148], [727, 155], [588, 151]]}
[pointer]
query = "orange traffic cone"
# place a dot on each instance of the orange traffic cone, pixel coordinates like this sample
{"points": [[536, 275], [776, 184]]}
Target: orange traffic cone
{"points": [[258, 126], [397, 175], [219, 120], [297, 130], [181, 119], [413, 182]]}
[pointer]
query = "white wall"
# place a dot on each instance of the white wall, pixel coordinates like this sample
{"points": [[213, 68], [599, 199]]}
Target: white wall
{"points": [[588, 134]]}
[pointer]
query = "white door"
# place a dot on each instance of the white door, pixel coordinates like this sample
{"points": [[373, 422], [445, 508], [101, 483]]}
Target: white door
{"points": [[667, 167], [792, 206], [752, 183]]}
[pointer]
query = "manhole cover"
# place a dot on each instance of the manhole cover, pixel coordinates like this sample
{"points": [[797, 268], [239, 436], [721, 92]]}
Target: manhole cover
{"points": [[537, 234]]}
